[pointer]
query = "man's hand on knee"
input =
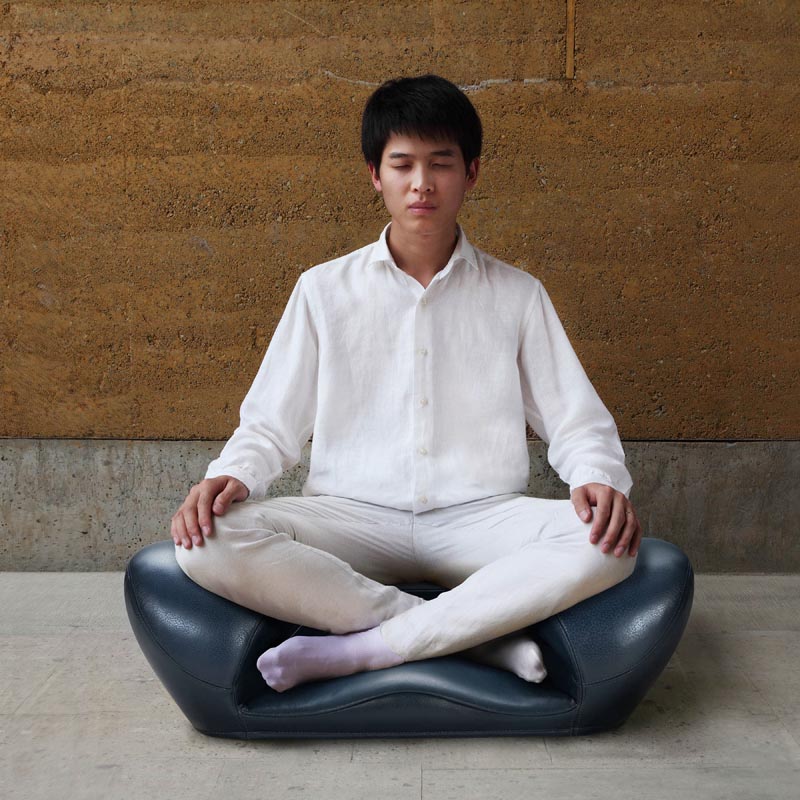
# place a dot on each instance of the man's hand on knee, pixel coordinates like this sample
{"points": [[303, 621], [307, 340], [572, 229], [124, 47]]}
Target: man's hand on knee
{"points": [[193, 519], [615, 520]]}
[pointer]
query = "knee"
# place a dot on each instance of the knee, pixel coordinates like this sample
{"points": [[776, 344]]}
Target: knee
{"points": [[231, 543], [608, 568], [621, 567], [192, 561], [199, 561], [614, 568]]}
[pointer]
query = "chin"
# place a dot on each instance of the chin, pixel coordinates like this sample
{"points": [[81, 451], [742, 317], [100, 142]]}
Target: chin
{"points": [[436, 220]]}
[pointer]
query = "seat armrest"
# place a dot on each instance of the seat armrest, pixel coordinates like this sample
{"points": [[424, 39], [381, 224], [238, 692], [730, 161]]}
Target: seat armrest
{"points": [[608, 650], [206, 636]]}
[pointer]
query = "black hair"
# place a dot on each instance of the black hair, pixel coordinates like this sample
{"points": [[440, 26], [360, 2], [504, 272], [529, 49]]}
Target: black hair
{"points": [[427, 106]]}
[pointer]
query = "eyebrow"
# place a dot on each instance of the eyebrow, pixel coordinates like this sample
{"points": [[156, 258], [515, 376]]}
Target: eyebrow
{"points": [[441, 153]]}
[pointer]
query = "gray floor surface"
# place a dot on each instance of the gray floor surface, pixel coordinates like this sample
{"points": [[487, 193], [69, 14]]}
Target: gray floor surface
{"points": [[83, 716]]}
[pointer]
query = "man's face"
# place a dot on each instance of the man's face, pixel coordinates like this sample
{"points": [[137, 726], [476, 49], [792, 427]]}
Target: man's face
{"points": [[423, 183]]}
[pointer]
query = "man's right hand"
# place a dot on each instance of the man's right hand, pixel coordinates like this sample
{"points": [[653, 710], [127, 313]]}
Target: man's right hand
{"points": [[193, 519]]}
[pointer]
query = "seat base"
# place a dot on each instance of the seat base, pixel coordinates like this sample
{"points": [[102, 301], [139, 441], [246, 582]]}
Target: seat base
{"points": [[602, 656]]}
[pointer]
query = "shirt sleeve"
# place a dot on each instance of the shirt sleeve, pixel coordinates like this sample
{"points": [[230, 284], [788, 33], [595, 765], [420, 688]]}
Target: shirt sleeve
{"points": [[562, 406], [277, 415]]}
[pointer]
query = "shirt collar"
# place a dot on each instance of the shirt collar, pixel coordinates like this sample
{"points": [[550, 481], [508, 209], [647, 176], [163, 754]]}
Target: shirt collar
{"points": [[463, 251]]}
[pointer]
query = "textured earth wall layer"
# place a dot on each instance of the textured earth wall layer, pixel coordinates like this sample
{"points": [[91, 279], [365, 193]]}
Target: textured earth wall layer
{"points": [[167, 170]]}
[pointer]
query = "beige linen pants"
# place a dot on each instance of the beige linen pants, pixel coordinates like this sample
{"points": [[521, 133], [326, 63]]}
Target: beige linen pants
{"points": [[328, 562]]}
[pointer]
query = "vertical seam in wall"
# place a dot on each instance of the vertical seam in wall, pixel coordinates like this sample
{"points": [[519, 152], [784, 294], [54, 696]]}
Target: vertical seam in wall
{"points": [[570, 66]]}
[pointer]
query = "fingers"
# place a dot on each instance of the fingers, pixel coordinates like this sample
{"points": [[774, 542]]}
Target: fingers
{"points": [[181, 533], [204, 516], [186, 520], [224, 498], [194, 519], [178, 531], [602, 516], [616, 523], [234, 490], [624, 534], [580, 499], [628, 532], [221, 503]]}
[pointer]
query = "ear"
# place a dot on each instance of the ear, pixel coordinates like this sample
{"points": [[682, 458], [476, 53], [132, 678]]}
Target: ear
{"points": [[373, 173], [472, 172]]}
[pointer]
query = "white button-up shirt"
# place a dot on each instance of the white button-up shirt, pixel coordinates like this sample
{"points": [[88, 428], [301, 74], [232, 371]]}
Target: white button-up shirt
{"points": [[417, 397]]}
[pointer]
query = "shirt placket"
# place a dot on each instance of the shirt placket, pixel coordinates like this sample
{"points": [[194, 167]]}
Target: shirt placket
{"points": [[423, 407]]}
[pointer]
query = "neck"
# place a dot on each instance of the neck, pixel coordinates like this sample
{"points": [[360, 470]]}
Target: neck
{"points": [[421, 254]]}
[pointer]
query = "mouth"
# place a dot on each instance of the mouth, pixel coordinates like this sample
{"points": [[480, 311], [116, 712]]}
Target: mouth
{"points": [[421, 208]]}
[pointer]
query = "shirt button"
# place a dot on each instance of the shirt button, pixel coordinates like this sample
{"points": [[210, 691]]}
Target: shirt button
{"points": [[423, 351], [424, 301], [422, 451], [423, 499], [423, 401]]}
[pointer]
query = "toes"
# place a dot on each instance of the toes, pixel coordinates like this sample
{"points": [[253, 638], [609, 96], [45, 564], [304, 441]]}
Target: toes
{"points": [[276, 679], [271, 672], [540, 675], [265, 660], [535, 674], [535, 670], [277, 684]]}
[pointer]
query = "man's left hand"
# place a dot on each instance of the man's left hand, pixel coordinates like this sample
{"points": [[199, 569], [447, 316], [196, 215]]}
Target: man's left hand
{"points": [[614, 520]]}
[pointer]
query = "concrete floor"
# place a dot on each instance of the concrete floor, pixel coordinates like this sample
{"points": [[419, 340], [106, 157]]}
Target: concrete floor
{"points": [[83, 716]]}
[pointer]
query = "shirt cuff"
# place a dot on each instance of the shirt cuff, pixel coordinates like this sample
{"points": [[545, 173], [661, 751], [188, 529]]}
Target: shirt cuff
{"points": [[584, 475], [257, 491]]}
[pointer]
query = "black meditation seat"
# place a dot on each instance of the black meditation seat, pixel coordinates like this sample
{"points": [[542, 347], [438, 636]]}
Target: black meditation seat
{"points": [[602, 656]]}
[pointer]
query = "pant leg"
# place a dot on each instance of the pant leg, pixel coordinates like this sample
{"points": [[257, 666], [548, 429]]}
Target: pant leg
{"points": [[511, 561], [317, 561]]}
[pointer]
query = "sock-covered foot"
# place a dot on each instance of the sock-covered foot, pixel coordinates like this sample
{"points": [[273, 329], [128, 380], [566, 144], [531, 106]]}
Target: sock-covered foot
{"points": [[517, 653], [308, 658]]}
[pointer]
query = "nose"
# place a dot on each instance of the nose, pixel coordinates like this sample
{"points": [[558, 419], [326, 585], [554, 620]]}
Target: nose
{"points": [[422, 180]]}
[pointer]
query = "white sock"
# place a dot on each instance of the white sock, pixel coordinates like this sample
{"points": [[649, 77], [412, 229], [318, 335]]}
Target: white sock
{"points": [[517, 653], [307, 658]]}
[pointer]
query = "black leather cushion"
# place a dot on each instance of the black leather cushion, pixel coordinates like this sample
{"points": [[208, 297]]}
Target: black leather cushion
{"points": [[602, 656]]}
